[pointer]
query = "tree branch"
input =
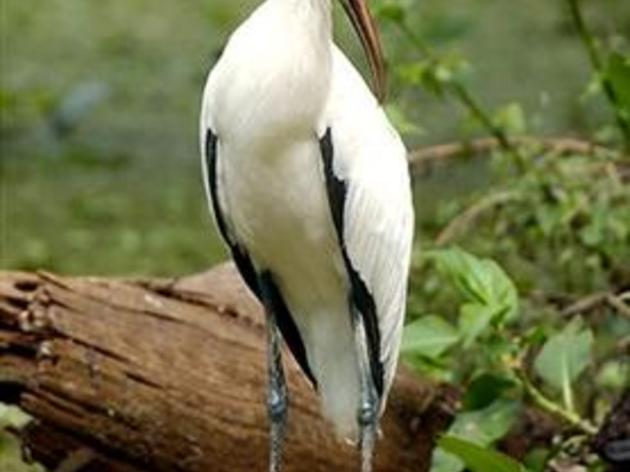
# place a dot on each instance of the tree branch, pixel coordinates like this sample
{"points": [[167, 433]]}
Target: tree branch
{"points": [[424, 158]]}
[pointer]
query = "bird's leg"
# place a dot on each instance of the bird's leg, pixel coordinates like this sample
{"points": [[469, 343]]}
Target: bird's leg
{"points": [[369, 404], [368, 423], [277, 402], [276, 395]]}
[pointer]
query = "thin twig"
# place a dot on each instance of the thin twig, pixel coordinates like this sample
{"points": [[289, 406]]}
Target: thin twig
{"points": [[618, 304], [553, 408], [484, 146], [596, 300], [584, 305], [472, 213]]}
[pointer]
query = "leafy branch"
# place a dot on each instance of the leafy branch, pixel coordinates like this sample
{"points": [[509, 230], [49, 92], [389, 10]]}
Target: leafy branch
{"points": [[460, 91], [489, 309], [622, 118], [545, 404], [423, 157]]}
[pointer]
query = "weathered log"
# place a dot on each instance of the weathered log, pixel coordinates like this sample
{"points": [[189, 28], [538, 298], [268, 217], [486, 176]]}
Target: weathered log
{"points": [[168, 375]]}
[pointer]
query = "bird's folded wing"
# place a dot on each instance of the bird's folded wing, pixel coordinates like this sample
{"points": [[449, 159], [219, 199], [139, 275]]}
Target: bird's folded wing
{"points": [[370, 158], [378, 231]]}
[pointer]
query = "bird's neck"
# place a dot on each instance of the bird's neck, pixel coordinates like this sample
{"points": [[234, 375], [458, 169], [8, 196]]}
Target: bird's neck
{"points": [[296, 73], [315, 14], [321, 5], [274, 78]]}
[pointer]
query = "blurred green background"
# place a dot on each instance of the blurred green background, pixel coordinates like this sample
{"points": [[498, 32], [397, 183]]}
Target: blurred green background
{"points": [[99, 165]]}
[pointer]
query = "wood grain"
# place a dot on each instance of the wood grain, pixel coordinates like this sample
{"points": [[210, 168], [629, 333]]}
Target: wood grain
{"points": [[169, 375]]}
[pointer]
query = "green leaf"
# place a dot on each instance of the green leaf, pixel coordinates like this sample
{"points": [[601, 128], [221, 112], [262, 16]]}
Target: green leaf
{"points": [[564, 357], [478, 458], [11, 416], [439, 369], [428, 336], [11, 458], [483, 426], [488, 424], [390, 11], [478, 280], [473, 320], [498, 348], [614, 374], [401, 122], [491, 295], [451, 67], [536, 459], [421, 73], [435, 73], [485, 389], [511, 118], [442, 461]]}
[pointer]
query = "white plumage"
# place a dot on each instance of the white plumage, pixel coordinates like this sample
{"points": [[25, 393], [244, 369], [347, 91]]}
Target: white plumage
{"points": [[379, 216], [279, 86]]}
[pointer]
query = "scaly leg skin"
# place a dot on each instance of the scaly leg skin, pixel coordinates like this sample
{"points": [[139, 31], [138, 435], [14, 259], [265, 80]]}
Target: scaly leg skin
{"points": [[369, 407], [276, 396], [277, 402], [368, 425]]}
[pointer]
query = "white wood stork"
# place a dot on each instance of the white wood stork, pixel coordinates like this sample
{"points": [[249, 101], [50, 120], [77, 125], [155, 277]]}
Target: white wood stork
{"points": [[309, 187]]}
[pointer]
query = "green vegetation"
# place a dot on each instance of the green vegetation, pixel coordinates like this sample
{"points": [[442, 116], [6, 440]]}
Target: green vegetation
{"points": [[99, 105], [10, 458], [558, 221], [520, 283]]}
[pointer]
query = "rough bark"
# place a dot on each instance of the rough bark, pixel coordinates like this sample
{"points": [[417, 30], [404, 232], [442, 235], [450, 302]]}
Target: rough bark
{"points": [[169, 375]]}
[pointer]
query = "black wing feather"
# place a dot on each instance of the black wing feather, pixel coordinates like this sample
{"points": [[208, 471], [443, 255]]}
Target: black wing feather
{"points": [[361, 297], [245, 266], [239, 254], [287, 326]]}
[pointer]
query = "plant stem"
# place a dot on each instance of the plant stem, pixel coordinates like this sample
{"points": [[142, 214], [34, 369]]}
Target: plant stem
{"points": [[623, 122], [619, 304], [414, 39], [467, 218], [550, 406], [567, 394], [466, 98], [479, 113]]}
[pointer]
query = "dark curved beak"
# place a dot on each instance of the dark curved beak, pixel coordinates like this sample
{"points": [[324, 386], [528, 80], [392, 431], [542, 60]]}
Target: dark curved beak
{"points": [[365, 26]]}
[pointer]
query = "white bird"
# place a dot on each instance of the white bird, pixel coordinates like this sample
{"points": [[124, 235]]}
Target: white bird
{"points": [[310, 190]]}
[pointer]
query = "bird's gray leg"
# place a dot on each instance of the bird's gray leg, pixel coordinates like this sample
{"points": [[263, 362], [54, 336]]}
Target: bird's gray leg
{"points": [[276, 394], [369, 406], [277, 402]]}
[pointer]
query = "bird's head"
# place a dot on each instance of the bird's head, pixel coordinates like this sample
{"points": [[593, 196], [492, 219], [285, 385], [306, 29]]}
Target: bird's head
{"points": [[365, 26]]}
